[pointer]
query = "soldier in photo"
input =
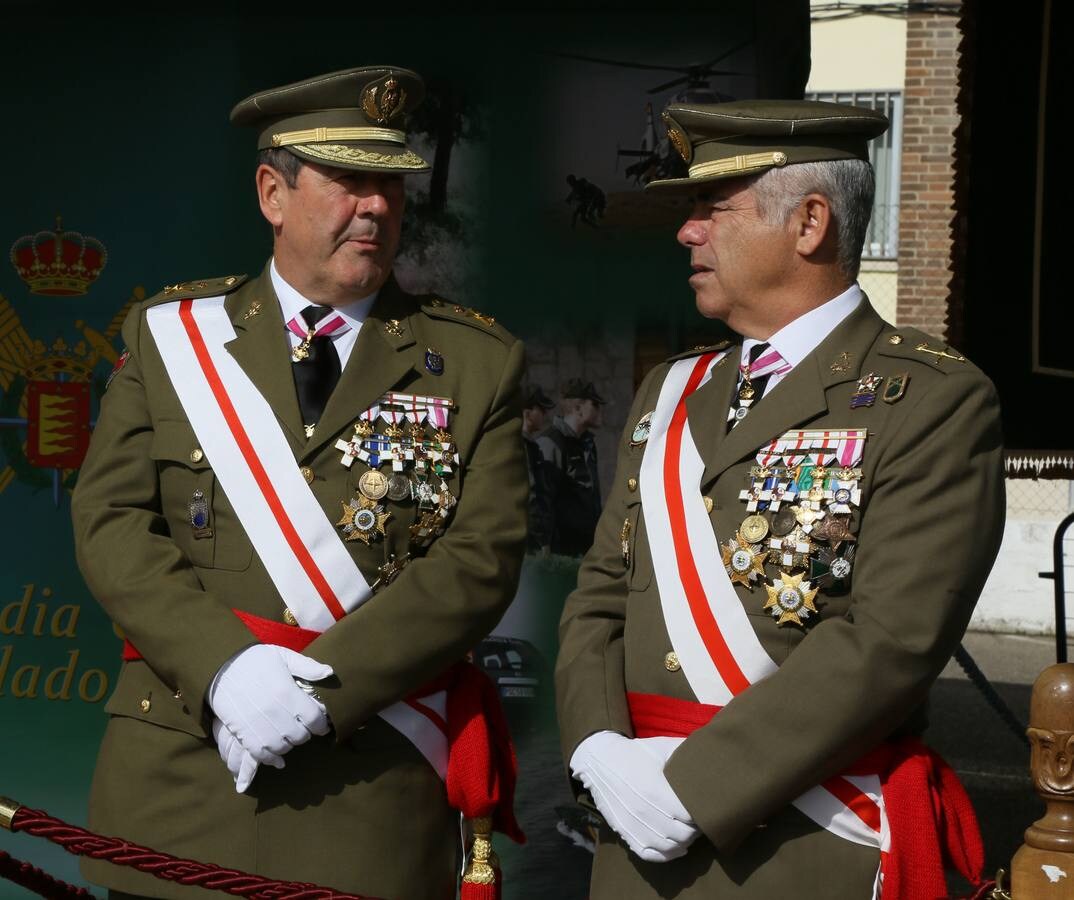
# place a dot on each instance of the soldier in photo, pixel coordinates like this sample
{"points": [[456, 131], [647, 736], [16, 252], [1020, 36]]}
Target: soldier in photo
{"points": [[800, 525], [570, 466], [535, 408], [304, 503]]}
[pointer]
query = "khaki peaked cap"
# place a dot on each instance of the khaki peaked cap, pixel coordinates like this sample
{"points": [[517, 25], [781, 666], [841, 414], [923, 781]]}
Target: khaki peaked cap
{"points": [[351, 119], [746, 137]]}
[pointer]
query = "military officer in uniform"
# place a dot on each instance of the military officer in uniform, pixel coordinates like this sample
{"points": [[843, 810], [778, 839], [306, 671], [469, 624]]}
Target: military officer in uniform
{"points": [[570, 465], [535, 407], [799, 528], [303, 502]]}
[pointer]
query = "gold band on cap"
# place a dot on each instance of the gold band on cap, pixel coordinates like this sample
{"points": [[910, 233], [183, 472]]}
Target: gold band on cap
{"points": [[334, 135], [739, 163], [8, 808], [336, 154]]}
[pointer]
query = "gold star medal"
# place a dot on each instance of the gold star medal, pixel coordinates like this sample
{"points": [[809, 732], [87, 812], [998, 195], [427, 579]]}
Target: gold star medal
{"points": [[744, 561], [790, 599], [363, 520]]}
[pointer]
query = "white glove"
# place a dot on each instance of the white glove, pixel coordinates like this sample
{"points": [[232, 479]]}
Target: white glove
{"points": [[626, 779], [254, 694], [239, 762]]}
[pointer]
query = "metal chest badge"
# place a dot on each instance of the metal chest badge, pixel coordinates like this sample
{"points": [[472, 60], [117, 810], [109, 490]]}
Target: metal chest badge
{"points": [[865, 395], [641, 431], [434, 361], [198, 508]]}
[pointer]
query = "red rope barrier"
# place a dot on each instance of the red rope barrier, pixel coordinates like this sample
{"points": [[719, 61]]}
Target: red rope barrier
{"points": [[188, 872], [41, 883]]}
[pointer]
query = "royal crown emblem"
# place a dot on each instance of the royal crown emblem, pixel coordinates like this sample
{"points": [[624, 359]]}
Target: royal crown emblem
{"points": [[383, 99], [47, 392], [58, 263]]}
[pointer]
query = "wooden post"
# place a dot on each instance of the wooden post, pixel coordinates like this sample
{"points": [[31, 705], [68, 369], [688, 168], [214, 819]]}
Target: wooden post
{"points": [[1043, 867]]}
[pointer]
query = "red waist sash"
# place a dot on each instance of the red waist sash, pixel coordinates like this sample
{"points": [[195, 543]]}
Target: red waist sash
{"points": [[929, 814], [482, 768]]}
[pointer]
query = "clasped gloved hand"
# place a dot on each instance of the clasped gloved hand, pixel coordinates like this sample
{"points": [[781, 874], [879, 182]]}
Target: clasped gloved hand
{"points": [[262, 710], [626, 779]]}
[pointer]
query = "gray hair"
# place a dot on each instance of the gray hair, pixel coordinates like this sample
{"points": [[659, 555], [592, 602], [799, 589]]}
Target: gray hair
{"points": [[283, 161], [847, 183]]}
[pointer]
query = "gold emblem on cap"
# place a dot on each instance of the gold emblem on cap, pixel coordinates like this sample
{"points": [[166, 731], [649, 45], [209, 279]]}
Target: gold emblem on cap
{"points": [[382, 100], [678, 138]]}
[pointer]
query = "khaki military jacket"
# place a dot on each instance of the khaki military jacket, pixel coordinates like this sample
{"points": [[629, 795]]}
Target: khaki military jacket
{"points": [[928, 528], [359, 810]]}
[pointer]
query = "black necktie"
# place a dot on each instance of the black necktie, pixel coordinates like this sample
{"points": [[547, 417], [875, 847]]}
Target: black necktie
{"points": [[317, 373], [750, 390]]}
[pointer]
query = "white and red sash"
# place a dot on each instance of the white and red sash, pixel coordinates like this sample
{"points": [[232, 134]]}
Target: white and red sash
{"points": [[717, 647], [296, 542]]}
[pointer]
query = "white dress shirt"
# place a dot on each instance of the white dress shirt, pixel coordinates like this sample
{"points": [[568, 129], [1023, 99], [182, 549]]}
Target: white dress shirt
{"points": [[796, 340], [354, 314]]}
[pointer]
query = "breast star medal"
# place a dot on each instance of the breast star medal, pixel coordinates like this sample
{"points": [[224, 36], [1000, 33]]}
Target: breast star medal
{"points": [[363, 520], [790, 599], [744, 561], [831, 568]]}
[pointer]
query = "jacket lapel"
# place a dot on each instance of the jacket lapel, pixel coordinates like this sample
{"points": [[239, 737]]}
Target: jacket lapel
{"points": [[260, 347], [706, 408], [377, 363], [801, 396]]}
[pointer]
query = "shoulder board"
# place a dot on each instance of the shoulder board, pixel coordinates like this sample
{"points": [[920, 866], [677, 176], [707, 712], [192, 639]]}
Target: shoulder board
{"points": [[699, 350], [194, 290], [437, 308], [910, 343]]}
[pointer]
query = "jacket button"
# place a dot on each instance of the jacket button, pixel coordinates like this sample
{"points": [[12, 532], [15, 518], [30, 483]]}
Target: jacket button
{"points": [[671, 662], [178, 695], [708, 504], [145, 705], [289, 617], [307, 473], [632, 484], [196, 456]]}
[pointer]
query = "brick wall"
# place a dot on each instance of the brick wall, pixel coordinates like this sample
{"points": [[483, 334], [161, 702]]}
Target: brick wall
{"points": [[926, 195]]}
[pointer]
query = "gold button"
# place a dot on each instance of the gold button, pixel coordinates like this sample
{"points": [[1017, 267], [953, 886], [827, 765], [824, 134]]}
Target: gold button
{"points": [[708, 504], [632, 484], [145, 705], [779, 158], [196, 456], [671, 662], [895, 339], [307, 473], [289, 617]]}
